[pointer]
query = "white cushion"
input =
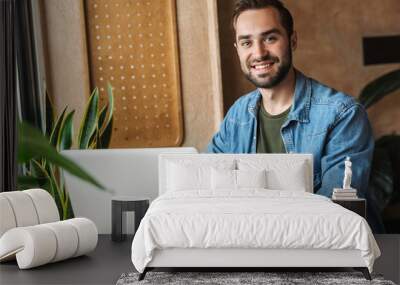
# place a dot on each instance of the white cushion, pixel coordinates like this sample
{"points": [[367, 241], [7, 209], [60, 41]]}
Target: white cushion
{"points": [[189, 177], [44, 204], [26, 208], [223, 179], [66, 237], [189, 174], [251, 178], [87, 233], [226, 179], [284, 174], [7, 218], [23, 208], [294, 180], [31, 246]]}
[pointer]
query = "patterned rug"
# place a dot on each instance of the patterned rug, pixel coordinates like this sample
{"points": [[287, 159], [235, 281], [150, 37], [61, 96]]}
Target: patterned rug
{"points": [[244, 278]]}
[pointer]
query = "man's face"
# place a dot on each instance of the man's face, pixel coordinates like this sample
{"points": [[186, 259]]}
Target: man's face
{"points": [[263, 47]]}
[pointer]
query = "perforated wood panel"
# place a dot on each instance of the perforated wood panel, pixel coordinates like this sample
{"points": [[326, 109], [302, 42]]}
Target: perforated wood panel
{"points": [[133, 45]]}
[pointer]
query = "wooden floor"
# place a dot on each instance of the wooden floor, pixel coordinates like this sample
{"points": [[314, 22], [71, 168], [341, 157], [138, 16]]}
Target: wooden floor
{"points": [[111, 259], [102, 266]]}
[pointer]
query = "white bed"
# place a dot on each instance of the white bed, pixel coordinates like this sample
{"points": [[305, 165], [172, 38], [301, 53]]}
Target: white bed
{"points": [[220, 211]]}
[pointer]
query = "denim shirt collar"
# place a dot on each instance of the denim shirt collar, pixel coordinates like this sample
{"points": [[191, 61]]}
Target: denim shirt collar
{"points": [[301, 102]]}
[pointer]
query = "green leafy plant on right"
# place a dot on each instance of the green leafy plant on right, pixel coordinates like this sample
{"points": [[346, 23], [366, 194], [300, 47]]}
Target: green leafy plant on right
{"points": [[384, 181], [40, 156]]}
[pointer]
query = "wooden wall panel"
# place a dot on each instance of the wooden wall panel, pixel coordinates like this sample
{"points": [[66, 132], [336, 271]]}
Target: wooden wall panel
{"points": [[133, 45]]}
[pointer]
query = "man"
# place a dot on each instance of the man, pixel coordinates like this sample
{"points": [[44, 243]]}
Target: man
{"points": [[289, 112]]}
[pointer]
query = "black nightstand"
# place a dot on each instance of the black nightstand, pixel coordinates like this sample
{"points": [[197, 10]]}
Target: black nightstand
{"points": [[358, 206], [121, 204]]}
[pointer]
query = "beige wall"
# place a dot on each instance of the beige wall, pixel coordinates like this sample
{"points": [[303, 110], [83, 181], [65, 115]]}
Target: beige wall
{"points": [[200, 80], [66, 57], [329, 49], [202, 103]]}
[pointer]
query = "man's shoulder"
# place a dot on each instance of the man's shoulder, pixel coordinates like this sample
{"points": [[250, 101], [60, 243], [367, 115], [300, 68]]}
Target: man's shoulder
{"points": [[324, 95]]}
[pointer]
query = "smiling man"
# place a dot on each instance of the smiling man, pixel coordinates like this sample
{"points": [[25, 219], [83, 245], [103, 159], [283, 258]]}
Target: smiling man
{"points": [[290, 112]]}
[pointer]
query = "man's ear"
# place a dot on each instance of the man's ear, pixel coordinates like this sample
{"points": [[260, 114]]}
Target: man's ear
{"points": [[293, 41]]}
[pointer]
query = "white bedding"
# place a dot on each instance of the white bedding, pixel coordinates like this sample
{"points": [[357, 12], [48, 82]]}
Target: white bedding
{"points": [[251, 218]]}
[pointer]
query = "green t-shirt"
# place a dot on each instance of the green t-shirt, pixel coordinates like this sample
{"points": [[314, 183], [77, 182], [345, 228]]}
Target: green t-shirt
{"points": [[269, 139]]}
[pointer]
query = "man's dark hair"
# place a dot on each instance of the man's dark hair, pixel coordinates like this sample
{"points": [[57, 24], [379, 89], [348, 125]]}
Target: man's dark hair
{"points": [[285, 16]]}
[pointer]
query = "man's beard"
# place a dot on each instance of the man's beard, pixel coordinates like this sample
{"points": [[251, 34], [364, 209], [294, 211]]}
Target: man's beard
{"points": [[274, 79]]}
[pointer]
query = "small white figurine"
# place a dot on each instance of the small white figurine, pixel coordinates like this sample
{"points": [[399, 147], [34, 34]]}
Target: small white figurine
{"points": [[347, 174]]}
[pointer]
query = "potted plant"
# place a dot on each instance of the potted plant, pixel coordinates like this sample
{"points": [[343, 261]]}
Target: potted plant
{"points": [[384, 185], [40, 155]]}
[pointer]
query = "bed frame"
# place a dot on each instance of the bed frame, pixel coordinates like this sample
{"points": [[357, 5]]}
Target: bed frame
{"points": [[246, 259], [250, 258]]}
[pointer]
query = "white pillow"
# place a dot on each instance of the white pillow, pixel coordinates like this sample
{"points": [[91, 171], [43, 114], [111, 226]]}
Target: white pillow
{"points": [[187, 177], [251, 178], [193, 174], [280, 174], [237, 179], [223, 179], [293, 180]]}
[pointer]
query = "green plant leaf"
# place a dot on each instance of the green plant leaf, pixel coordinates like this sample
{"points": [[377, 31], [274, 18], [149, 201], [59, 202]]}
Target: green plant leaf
{"points": [[70, 210], [89, 120], [66, 132], [35, 168], [28, 182], [41, 174], [110, 104], [102, 116], [379, 88], [105, 137], [106, 131], [42, 171], [49, 115], [93, 140], [31, 144], [96, 142], [58, 192], [56, 129]]}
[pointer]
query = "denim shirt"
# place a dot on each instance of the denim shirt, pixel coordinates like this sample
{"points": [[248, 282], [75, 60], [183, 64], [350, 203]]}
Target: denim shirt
{"points": [[322, 121]]}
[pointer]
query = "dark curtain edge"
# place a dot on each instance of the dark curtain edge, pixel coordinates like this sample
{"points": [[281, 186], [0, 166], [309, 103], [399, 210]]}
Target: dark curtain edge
{"points": [[8, 97], [27, 79]]}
